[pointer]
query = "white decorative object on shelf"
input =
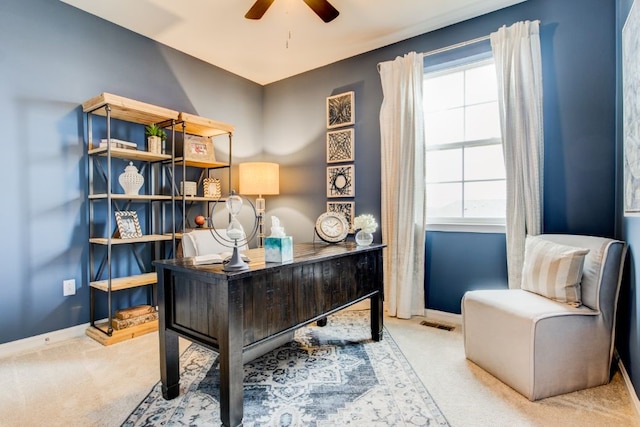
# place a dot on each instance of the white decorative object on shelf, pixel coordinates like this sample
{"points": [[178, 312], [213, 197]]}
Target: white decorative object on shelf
{"points": [[118, 143], [130, 180], [188, 188]]}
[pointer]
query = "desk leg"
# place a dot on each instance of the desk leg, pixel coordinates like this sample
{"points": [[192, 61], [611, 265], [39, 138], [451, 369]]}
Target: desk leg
{"points": [[169, 353], [376, 317], [230, 333]]}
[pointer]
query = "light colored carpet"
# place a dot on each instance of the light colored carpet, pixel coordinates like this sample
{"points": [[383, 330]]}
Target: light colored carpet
{"points": [[81, 383]]}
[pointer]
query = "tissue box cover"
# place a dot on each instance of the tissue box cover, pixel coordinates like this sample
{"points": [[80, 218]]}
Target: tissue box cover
{"points": [[278, 249]]}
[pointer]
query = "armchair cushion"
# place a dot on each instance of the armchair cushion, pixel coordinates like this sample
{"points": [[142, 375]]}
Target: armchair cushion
{"points": [[553, 270]]}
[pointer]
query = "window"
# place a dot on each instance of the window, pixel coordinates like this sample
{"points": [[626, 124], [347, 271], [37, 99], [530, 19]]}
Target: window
{"points": [[465, 174]]}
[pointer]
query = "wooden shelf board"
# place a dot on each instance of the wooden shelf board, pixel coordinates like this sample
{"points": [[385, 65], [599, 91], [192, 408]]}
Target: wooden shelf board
{"points": [[199, 199], [141, 197], [128, 154], [128, 282], [129, 109], [193, 163], [121, 334], [117, 241], [202, 126]]}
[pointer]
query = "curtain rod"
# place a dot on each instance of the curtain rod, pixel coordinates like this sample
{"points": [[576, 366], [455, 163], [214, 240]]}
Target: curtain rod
{"points": [[456, 46], [461, 44]]}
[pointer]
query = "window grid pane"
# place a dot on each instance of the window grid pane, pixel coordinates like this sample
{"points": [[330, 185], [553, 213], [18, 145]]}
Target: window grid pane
{"points": [[465, 167]]}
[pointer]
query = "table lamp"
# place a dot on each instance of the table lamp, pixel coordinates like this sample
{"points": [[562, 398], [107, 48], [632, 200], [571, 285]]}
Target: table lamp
{"points": [[263, 179]]}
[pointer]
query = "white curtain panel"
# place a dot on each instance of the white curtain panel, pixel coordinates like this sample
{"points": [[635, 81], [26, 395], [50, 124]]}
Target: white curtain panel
{"points": [[403, 184], [516, 51]]}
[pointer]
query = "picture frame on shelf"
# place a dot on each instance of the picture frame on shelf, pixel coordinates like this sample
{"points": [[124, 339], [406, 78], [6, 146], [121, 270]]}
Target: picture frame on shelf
{"points": [[341, 181], [198, 148], [128, 224], [346, 208], [341, 110], [212, 188], [340, 145]]}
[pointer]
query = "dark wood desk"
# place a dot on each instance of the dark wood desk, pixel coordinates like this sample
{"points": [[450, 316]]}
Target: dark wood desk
{"points": [[236, 313]]}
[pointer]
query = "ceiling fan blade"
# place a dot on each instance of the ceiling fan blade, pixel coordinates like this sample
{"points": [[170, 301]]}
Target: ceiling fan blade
{"points": [[323, 9], [258, 9]]}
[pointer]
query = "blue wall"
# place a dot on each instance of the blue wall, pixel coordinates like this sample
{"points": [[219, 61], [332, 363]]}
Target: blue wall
{"points": [[457, 262]]}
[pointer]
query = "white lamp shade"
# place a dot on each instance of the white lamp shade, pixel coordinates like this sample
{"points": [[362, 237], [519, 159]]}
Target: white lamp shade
{"points": [[259, 178]]}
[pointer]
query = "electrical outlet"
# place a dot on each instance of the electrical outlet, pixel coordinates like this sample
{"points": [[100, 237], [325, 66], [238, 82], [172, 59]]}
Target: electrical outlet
{"points": [[68, 287]]}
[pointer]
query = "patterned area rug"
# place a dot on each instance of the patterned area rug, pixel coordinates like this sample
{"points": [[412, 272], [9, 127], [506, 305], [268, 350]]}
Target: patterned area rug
{"points": [[328, 376]]}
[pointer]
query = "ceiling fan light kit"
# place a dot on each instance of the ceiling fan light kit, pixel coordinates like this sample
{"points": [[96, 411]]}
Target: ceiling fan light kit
{"points": [[322, 8]]}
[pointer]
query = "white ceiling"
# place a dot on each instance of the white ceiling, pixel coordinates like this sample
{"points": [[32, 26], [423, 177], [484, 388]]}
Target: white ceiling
{"points": [[290, 38]]}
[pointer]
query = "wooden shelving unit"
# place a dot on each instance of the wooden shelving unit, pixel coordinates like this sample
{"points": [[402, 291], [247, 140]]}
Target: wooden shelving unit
{"points": [[157, 203], [205, 128]]}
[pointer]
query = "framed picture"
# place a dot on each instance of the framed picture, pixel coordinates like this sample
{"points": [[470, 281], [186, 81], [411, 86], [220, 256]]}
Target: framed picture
{"points": [[340, 146], [345, 208], [341, 181], [198, 149], [631, 110], [341, 110], [128, 225], [212, 188]]}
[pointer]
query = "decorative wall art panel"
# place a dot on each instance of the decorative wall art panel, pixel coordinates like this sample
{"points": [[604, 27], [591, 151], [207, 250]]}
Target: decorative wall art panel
{"points": [[341, 110], [341, 181], [345, 208], [340, 146], [631, 109]]}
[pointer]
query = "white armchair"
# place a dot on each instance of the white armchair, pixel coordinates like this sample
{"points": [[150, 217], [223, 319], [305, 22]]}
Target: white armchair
{"points": [[537, 345], [202, 242]]}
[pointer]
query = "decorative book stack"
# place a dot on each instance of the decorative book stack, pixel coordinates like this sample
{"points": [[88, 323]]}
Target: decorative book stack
{"points": [[133, 316]]}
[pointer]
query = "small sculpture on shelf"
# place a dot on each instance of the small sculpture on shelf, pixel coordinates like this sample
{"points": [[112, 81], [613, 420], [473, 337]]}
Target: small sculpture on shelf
{"points": [[130, 180], [200, 220]]}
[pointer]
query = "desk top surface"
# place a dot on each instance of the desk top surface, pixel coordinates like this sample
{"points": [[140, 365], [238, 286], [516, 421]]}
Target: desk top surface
{"points": [[302, 253]]}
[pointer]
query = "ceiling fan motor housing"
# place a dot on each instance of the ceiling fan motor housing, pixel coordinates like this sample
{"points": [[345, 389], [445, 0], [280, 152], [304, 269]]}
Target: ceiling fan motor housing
{"points": [[322, 8]]}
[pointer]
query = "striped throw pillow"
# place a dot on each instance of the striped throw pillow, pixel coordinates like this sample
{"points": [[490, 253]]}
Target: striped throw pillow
{"points": [[553, 270]]}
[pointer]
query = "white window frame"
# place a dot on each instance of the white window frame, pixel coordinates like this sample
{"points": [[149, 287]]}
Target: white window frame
{"points": [[479, 225]]}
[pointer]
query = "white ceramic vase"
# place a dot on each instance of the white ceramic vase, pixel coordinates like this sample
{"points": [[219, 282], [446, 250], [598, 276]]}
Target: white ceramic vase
{"points": [[130, 180]]}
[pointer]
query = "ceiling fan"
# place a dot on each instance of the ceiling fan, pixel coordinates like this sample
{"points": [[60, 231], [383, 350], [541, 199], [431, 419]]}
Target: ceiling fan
{"points": [[322, 8]]}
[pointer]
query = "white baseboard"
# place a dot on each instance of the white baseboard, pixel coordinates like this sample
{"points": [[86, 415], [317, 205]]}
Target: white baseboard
{"points": [[39, 341], [627, 381], [443, 316]]}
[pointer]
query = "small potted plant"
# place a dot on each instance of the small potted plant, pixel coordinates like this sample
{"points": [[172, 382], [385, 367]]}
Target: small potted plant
{"points": [[155, 137]]}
